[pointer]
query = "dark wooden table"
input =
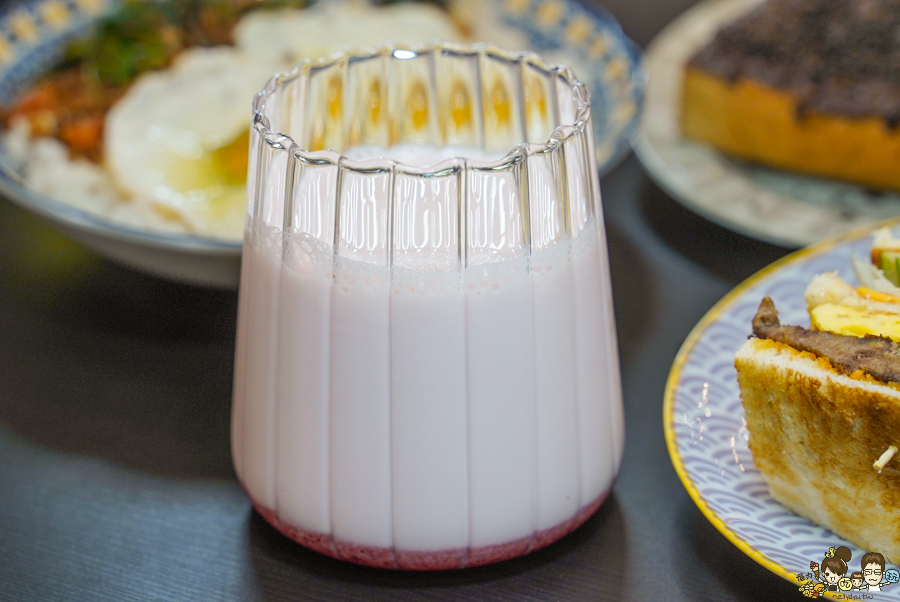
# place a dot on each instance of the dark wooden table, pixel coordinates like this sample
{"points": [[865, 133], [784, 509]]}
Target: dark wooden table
{"points": [[115, 472]]}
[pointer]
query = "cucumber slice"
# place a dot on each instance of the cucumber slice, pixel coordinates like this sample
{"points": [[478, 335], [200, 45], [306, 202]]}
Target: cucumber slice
{"points": [[890, 265]]}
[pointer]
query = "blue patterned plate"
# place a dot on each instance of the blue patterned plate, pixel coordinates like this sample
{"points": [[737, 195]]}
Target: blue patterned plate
{"points": [[33, 34], [704, 419]]}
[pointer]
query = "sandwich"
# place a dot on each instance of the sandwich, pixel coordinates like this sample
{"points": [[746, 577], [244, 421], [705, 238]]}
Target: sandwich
{"points": [[822, 404]]}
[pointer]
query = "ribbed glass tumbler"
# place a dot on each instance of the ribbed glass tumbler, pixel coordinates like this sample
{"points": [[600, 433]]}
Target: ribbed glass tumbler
{"points": [[426, 373]]}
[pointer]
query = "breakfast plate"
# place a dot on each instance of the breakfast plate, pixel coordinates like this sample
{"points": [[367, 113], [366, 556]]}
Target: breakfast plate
{"points": [[703, 418], [34, 34], [766, 204]]}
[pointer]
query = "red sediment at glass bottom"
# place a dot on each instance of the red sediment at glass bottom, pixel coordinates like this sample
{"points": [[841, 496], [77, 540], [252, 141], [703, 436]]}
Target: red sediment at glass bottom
{"points": [[458, 558]]}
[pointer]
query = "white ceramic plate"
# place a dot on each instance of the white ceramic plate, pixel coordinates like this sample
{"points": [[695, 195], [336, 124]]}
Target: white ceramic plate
{"points": [[704, 419], [777, 207], [33, 33]]}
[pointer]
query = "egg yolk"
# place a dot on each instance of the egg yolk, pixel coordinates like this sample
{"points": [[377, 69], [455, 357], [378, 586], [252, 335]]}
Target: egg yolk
{"points": [[223, 166], [230, 162]]}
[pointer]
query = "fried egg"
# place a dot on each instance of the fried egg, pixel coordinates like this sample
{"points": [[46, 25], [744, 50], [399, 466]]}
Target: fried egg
{"points": [[180, 138]]}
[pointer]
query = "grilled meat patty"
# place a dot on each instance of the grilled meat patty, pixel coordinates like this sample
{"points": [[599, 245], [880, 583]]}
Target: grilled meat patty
{"points": [[877, 356]]}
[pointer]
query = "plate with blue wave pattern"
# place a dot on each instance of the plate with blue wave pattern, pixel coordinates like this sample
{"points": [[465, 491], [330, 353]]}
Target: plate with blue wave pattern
{"points": [[706, 433]]}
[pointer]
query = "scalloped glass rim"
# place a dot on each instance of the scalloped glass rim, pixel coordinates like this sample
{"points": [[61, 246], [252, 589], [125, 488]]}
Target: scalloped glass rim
{"points": [[560, 134]]}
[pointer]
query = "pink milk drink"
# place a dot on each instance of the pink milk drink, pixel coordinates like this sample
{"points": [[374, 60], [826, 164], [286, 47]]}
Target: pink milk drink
{"points": [[426, 373]]}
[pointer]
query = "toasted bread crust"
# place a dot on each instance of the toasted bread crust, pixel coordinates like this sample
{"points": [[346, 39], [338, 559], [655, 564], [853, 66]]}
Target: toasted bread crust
{"points": [[815, 434], [759, 123]]}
